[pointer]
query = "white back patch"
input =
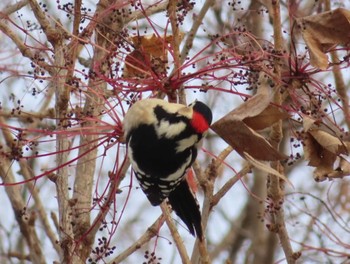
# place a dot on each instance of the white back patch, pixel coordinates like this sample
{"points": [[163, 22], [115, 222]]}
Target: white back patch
{"points": [[186, 143], [169, 130]]}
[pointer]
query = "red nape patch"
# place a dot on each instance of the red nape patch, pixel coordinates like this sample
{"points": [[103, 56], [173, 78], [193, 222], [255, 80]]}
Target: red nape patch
{"points": [[199, 123]]}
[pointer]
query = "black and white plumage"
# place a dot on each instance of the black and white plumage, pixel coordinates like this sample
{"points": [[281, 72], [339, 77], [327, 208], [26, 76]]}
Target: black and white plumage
{"points": [[162, 140]]}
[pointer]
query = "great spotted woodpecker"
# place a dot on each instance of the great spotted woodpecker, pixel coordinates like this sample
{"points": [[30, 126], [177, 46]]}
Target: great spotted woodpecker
{"points": [[162, 141]]}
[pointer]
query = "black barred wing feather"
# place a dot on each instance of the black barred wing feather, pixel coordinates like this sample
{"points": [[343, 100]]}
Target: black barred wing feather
{"points": [[185, 205]]}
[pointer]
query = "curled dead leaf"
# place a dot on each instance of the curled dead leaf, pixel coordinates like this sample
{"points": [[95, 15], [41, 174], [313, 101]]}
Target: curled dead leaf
{"points": [[237, 127], [270, 115], [244, 139], [322, 150], [324, 31], [266, 168], [329, 142], [322, 173], [318, 157], [308, 122], [150, 54], [257, 103], [342, 170], [316, 154]]}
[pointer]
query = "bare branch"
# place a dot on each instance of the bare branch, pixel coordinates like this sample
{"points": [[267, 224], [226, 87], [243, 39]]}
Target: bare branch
{"points": [[200, 252], [175, 234], [193, 31], [62, 188], [18, 205], [39, 206], [52, 34], [276, 186], [13, 8], [154, 9], [26, 51], [110, 197], [151, 232], [227, 186]]}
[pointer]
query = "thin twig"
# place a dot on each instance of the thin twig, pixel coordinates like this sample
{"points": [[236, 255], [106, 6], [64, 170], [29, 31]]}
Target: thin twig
{"points": [[154, 9], [175, 234], [193, 31], [13, 8], [18, 256], [113, 187], [151, 232], [51, 33], [206, 180], [176, 47], [77, 17], [39, 205], [20, 44], [28, 116], [228, 185]]}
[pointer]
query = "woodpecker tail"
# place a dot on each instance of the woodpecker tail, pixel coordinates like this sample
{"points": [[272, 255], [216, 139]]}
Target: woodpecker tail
{"points": [[185, 205]]}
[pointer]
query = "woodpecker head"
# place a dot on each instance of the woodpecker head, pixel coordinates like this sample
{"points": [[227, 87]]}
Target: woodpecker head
{"points": [[201, 117]]}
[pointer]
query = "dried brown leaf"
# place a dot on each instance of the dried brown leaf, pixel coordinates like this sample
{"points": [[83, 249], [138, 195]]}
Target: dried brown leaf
{"points": [[316, 154], [233, 129], [308, 122], [256, 104], [342, 170], [244, 139], [323, 31], [321, 173], [329, 142], [266, 118], [137, 64], [150, 54], [324, 172], [152, 44], [322, 150], [265, 168]]}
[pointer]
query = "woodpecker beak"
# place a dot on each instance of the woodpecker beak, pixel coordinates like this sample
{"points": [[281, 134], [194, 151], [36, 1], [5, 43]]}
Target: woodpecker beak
{"points": [[193, 103]]}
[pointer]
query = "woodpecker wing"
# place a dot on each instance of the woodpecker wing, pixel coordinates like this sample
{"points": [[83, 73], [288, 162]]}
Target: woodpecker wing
{"points": [[158, 166]]}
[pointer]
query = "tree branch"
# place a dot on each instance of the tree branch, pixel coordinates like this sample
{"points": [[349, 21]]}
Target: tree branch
{"points": [[275, 189], [175, 234], [206, 181], [39, 207], [18, 205], [151, 232], [193, 31], [51, 33], [13, 8], [26, 51]]}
